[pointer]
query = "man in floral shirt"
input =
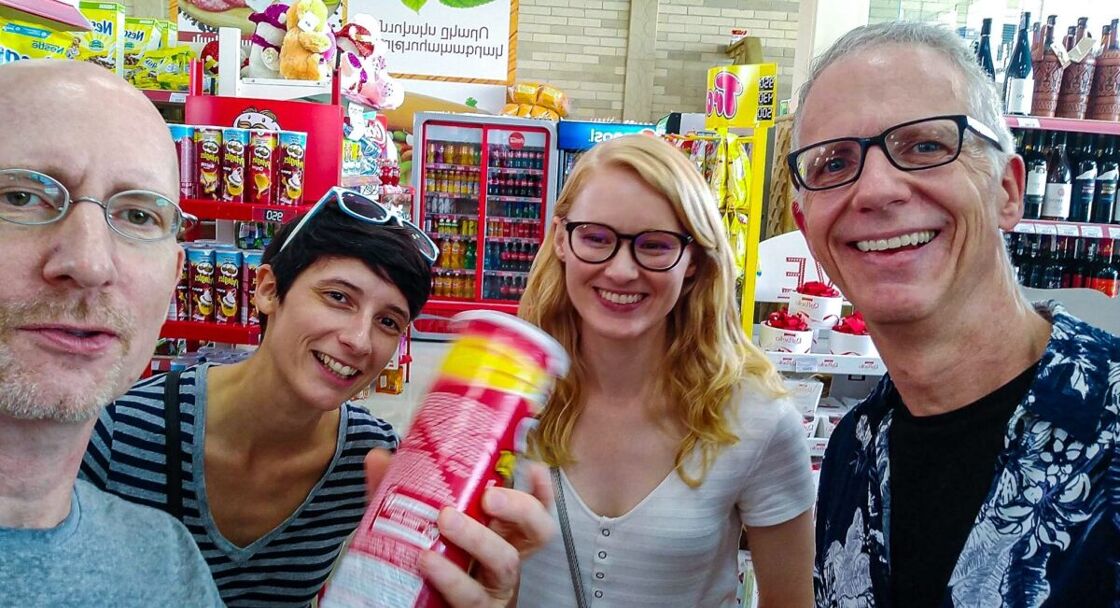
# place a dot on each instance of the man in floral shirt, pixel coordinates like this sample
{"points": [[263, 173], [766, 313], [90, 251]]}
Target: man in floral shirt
{"points": [[983, 470]]}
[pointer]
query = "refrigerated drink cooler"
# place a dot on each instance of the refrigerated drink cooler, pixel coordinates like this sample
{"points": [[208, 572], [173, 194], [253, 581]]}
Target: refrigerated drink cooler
{"points": [[484, 192], [575, 137]]}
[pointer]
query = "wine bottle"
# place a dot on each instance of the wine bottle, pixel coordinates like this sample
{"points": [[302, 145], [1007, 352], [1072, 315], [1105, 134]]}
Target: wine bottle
{"points": [[1084, 179], [1059, 182], [1104, 99], [1105, 207], [1047, 73], [984, 50], [1035, 160], [1019, 85], [1106, 279], [1077, 79]]}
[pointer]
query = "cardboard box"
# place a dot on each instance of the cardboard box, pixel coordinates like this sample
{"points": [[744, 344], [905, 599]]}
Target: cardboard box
{"points": [[169, 34], [104, 43], [140, 36]]}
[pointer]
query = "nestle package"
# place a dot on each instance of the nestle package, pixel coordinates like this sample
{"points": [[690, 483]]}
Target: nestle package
{"points": [[19, 40], [498, 373], [140, 36], [104, 43]]}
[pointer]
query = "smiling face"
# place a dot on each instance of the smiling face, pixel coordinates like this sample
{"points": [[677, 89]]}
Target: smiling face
{"points": [[903, 246], [619, 299], [335, 330], [81, 306]]}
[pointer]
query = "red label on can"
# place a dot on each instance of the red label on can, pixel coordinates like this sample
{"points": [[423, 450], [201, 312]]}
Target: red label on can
{"points": [[208, 147], [262, 166]]}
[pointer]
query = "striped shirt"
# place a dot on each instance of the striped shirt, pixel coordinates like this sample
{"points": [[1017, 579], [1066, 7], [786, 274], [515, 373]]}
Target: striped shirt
{"points": [[285, 567]]}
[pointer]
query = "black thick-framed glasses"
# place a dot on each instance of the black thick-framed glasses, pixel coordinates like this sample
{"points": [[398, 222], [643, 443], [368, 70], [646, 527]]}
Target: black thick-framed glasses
{"points": [[911, 146], [654, 250], [363, 208], [30, 198]]}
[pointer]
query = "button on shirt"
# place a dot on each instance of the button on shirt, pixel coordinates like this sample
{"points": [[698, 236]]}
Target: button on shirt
{"points": [[678, 547]]}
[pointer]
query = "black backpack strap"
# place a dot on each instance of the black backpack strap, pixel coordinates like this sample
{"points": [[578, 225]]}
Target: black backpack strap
{"points": [[173, 445]]}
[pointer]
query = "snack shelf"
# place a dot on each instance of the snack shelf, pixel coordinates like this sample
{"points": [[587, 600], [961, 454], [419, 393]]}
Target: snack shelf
{"points": [[171, 97], [245, 212], [819, 363], [54, 14], [211, 332], [1064, 124], [1045, 227]]}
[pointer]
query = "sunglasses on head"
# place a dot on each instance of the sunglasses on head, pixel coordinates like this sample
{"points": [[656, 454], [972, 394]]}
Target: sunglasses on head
{"points": [[361, 207]]}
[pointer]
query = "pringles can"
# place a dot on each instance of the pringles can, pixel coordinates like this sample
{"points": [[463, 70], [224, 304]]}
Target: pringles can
{"points": [[290, 166], [496, 377], [235, 144], [262, 166], [208, 161]]}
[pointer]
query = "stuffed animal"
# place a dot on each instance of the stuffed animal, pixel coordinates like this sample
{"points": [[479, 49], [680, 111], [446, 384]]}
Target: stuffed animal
{"points": [[264, 51], [306, 41], [364, 73]]}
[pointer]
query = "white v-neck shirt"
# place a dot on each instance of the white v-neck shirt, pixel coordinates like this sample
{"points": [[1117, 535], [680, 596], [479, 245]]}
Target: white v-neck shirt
{"points": [[678, 547]]}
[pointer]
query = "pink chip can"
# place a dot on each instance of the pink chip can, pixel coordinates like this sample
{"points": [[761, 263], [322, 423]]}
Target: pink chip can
{"points": [[496, 377]]}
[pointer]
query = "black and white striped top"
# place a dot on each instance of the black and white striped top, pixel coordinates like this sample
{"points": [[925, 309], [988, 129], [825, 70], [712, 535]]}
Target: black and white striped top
{"points": [[287, 566]]}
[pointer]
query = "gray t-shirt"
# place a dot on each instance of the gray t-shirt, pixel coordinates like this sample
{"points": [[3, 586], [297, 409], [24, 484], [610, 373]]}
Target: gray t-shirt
{"points": [[107, 552]]}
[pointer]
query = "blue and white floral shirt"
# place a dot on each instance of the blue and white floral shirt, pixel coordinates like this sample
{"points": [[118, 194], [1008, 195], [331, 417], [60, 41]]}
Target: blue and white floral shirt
{"points": [[1048, 533]]}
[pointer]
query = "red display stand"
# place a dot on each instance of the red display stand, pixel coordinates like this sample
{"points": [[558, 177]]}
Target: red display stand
{"points": [[322, 123]]}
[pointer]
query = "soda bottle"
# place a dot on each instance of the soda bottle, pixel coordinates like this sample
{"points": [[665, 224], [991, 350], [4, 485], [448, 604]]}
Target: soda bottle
{"points": [[470, 287], [431, 158]]}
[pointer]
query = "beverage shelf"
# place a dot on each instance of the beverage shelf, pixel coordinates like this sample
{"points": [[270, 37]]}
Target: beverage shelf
{"points": [[513, 171], [815, 363], [1046, 227], [1063, 124], [435, 236], [513, 220], [451, 167], [245, 212], [512, 199], [514, 239], [455, 216], [211, 332], [506, 273], [454, 271], [165, 97], [54, 14]]}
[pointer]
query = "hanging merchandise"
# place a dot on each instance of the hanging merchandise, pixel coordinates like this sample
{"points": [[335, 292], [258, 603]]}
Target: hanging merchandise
{"points": [[362, 66], [308, 46]]}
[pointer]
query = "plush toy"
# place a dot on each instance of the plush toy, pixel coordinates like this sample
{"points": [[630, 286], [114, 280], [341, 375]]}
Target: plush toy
{"points": [[209, 57], [306, 41], [264, 51], [364, 73]]}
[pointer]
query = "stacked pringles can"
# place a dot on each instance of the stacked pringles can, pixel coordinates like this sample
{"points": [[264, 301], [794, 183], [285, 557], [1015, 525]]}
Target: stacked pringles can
{"points": [[234, 165], [496, 377], [217, 285]]}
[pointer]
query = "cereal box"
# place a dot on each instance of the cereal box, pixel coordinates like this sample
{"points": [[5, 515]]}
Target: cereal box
{"points": [[140, 36], [235, 145], [19, 40], [227, 286], [104, 43]]}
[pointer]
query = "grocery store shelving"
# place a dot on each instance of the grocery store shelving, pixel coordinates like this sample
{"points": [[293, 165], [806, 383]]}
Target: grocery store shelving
{"points": [[1045, 227], [817, 363], [1063, 124], [514, 171], [245, 212], [357, 181], [211, 332], [512, 199], [167, 97], [451, 167], [53, 14]]}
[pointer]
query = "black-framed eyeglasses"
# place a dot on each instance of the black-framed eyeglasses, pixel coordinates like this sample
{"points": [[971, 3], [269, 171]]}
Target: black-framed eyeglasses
{"points": [[655, 250], [361, 207], [911, 146], [30, 198]]}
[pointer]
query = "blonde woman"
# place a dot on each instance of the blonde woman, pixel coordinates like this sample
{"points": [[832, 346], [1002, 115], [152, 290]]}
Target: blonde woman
{"points": [[670, 433]]}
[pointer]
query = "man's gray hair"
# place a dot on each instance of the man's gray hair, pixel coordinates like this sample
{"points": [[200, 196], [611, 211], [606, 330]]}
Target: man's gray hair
{"points": [[984, 101]]}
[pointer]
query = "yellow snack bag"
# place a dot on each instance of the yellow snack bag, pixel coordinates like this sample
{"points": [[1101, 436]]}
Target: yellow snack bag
{"points": [[552, 97], [104, 44], [539, 112], [140, 36], [523, 92], [523, 110], [19, 40], [510, 109]]}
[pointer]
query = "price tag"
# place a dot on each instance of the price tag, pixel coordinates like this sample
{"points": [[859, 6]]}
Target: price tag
{"points": [[1024, 228], [178, 98], [1047, 229], [1068, 230], [1092, 232], [805, 365], [1028, 123], [1114, 232], [272, 214]]}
